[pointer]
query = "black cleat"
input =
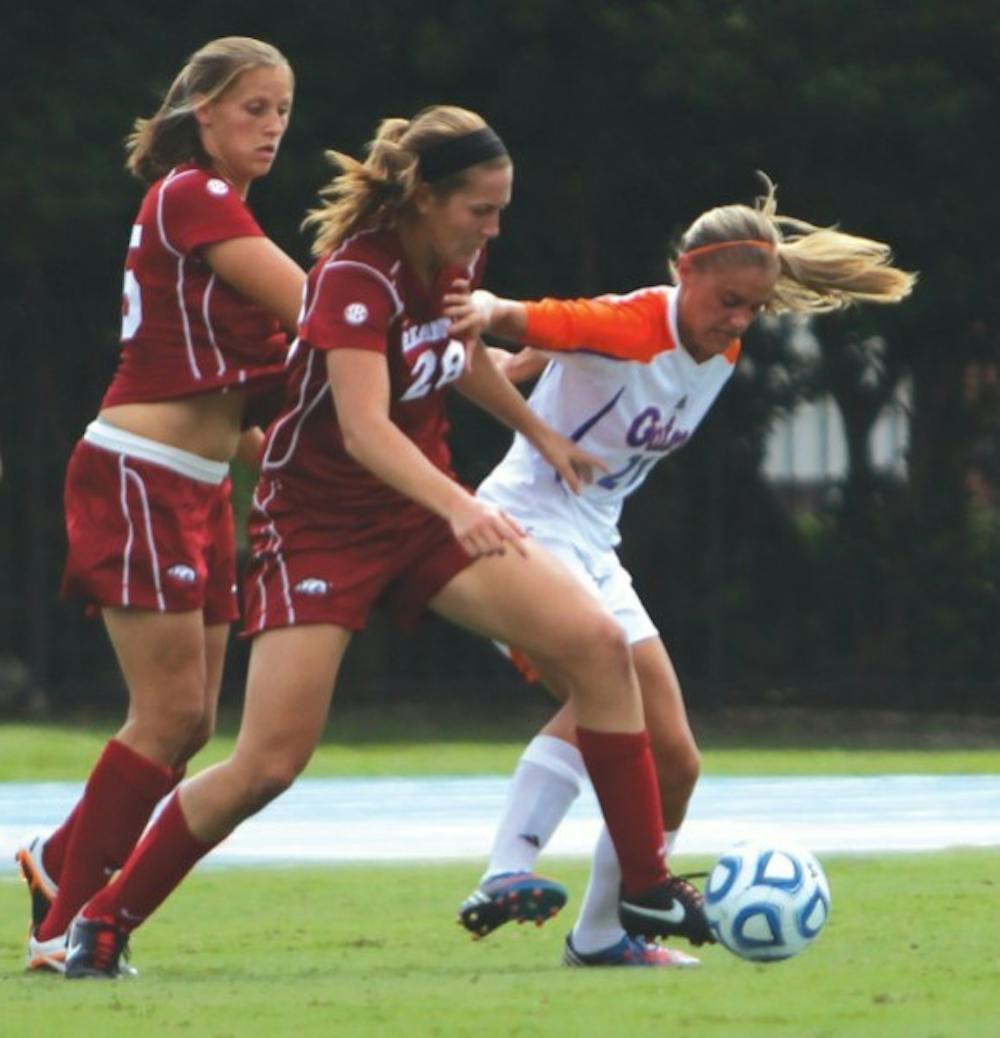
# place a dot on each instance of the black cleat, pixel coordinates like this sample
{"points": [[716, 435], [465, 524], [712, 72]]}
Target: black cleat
{"points": [[522, 896], [674, 908], [95, 948]]}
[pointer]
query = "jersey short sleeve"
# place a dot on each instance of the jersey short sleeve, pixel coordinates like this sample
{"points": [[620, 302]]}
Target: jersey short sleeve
{"points": [[352, 308], [197, 210], [632, 327]]}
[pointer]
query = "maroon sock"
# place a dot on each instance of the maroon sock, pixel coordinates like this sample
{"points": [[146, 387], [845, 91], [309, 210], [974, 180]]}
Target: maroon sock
{"points": [[621, 768], [163, 857], [118, 799], [54, 848]]}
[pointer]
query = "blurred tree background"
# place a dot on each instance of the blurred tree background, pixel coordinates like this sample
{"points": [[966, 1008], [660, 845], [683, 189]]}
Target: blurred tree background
{"points": [[626, 120]]}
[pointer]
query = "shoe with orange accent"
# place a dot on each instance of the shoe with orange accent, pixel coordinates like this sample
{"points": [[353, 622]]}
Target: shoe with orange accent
{"points": [[96, 948], [41, 886], [46, 956], [521, 896], [629, 951]]}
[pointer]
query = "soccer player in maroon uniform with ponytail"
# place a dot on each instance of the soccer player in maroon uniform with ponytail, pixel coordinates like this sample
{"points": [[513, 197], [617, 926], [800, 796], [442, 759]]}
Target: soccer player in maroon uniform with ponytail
{"points": [[357, 505], [208, 302]]}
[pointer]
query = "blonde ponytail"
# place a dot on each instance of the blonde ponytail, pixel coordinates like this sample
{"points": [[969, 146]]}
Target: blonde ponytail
{"points": [[819, 268], [365, 195]]}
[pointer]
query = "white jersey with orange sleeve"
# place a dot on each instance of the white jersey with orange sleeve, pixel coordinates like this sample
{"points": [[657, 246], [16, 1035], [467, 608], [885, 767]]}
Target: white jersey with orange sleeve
{"points": [[621, 384]]}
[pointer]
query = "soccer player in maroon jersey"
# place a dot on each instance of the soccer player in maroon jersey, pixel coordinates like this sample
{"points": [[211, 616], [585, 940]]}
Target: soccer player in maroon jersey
{"points": [[357, 506], [208, 303]]}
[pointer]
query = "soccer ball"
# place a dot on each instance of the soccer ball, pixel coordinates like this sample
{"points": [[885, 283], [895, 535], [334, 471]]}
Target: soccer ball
{"points": [[766, 901]]}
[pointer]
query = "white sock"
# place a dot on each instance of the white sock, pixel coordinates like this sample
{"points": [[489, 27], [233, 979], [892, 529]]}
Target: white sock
{"points": [[597, 926], [669, 842], [546, 781]]}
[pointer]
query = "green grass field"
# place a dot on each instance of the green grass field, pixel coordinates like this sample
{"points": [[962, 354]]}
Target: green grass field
{"points": [[910, 949], [431, 741]]}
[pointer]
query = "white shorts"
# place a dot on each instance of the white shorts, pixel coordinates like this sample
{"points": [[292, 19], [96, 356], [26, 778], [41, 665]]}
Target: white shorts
{"points": [[604, 575]]}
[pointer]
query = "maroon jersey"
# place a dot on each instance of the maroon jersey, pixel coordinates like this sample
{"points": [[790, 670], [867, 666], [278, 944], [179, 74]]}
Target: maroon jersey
{"points": [[365, 296], [184, 330]]}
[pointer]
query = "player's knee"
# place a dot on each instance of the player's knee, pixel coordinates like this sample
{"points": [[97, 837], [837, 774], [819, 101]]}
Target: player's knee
{"points": [[599, 645], [185, 721], [172, 726], [268, 780], [201, 732]]}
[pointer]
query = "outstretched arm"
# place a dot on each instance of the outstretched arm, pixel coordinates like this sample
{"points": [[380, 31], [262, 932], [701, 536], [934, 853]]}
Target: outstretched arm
{"points": [[632, 327], [359, 380], [473, 313], [484, 384]]}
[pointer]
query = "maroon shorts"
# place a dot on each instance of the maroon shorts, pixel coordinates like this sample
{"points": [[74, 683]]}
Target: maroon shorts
{"points": [[312, 566], [148, 534]]}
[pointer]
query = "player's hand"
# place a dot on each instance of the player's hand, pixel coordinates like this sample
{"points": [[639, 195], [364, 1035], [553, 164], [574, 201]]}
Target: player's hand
{"points": [[469, 317], [483, 529], [576, 466]]}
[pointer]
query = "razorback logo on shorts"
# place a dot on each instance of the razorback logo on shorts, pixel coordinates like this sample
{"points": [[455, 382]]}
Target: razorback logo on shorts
{"points": [[183, 573], [312, 586]]}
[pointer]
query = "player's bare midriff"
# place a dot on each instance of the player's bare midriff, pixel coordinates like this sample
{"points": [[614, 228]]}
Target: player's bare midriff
{"points": [[207, 425]]}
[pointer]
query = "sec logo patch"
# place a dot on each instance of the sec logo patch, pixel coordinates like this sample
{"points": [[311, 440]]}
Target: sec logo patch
{"points": [[355, 313], [217, 187]]}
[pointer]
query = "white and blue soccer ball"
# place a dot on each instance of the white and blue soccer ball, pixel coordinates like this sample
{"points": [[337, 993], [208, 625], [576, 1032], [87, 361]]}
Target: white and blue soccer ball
{"points": [[767, 901]]}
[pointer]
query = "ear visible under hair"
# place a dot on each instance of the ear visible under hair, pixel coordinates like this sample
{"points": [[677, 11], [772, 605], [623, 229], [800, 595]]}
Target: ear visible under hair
{"points": [[422, 195], [201, 109]]}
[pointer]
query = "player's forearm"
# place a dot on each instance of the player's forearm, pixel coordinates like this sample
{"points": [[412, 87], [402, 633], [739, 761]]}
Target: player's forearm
{"points": [[380, 446], [486, 386], [262, 274]]}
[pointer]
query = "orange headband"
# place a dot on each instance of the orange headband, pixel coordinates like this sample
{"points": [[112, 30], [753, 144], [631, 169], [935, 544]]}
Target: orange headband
{"points": [[702, 250]]}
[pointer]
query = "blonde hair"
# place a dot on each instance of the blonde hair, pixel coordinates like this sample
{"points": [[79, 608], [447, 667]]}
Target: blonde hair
{"points": [[370, 195], [819, 268], [170, 136]]}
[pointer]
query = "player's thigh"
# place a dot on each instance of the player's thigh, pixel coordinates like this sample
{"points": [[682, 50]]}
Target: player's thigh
{"points": [[531, 601], [604, 577], [162, 657], [558, 683], [216, 640], [290, 681]]}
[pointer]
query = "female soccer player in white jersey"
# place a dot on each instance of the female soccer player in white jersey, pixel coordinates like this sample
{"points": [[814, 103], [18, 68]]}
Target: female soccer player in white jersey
{"points": [[631, 377], [357, 506], [208, 301]]}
